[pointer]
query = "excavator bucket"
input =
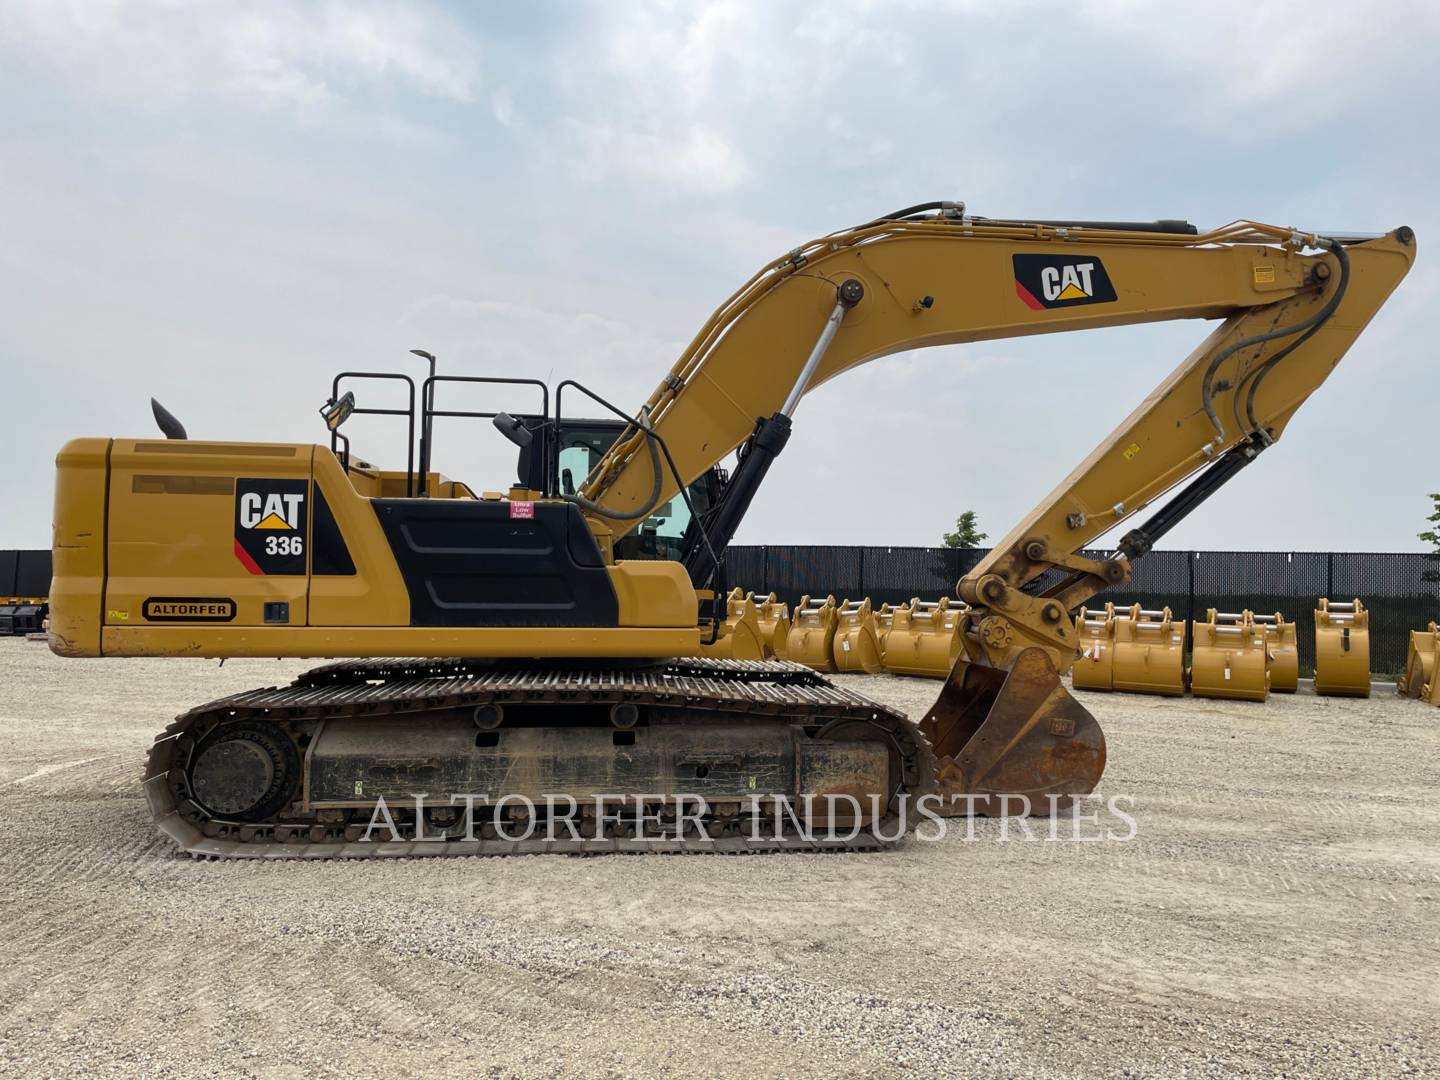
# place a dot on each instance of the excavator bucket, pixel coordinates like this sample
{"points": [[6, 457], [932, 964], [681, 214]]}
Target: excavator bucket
{"points": [[1131, 649], [1284, 652], [856, 646], [1422, 657], [1095, 670], [884, 623], [1231, 658], [924, 638], [739, 637], [774, 626], [1011, 741], [812, 634], [1342, 648], [1149, 652]]}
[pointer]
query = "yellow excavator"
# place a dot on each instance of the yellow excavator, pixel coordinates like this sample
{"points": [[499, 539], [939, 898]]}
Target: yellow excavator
{"points": [[532, 655]]}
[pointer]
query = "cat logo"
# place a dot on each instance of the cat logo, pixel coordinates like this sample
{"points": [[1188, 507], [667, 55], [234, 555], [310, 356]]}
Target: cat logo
{"points": [[1054, 281], [272, 510], [271, 525]]}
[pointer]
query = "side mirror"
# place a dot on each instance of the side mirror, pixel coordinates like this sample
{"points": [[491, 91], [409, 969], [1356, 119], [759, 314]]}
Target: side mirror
{"points": [[336, 413], [512, 429]]}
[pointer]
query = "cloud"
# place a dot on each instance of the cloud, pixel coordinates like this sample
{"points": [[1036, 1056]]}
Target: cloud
{"points": [[1262, 69], [696, 158], [312, 61], [208, 200]]}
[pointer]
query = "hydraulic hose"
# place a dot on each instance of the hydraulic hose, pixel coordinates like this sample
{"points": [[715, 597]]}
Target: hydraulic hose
{"points": [[909, 212], [629, 515], [1343, 257], [1311, 324]]}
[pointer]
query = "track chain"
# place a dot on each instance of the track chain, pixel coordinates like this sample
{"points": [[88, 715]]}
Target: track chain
{"points": [[778, 691]]}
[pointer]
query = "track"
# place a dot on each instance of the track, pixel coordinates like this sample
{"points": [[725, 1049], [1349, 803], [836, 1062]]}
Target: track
{"points": [[768, 695]]}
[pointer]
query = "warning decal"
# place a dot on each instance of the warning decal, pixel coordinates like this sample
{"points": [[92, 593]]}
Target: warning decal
{"points": [[272, 525]]}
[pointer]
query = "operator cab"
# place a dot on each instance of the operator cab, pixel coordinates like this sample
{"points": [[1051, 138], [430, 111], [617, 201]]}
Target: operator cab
{"points": [[579, 444], [556, 454]]}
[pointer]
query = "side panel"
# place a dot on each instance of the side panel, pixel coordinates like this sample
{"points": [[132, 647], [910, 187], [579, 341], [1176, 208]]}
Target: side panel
{"points": [[654, 593], [375, 594], [78, 546], [486, 641], [489, 563], [164, 549], [207, 533]]}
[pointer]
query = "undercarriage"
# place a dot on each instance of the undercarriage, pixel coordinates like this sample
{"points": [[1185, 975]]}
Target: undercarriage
{"points": [[401, 758]]}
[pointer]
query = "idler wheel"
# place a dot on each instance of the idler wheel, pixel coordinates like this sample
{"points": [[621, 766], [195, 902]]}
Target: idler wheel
{"points": [[244, 771]]}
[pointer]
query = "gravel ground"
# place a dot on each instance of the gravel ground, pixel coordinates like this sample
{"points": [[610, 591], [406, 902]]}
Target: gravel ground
{"points": [[1275, 914]]}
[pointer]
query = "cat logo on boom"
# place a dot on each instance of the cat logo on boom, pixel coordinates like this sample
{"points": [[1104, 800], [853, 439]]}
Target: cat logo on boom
{"points": [[1056, 281], [271, 525]]}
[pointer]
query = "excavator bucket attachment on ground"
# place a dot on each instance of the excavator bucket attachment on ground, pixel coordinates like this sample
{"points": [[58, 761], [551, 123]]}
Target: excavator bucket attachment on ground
{"points": [[740, 636], [774, 626], [856, 645], [1342, 648], [924, 638], [812, 634], [1013, 741], [884, 623], [1094, 670], [1284, 652], [1231, 658], [1421, 661], [1149, 652], [1131, 649]]}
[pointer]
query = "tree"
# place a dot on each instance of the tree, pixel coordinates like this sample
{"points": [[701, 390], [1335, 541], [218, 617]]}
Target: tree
{"points": [[967, 534], [1432, 536]]}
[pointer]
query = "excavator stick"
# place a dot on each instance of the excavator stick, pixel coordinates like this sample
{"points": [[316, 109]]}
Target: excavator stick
{"points": [[1011, 741]]}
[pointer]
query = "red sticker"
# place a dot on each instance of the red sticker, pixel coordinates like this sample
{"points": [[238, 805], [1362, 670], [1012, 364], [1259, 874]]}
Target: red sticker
{"points": [[522, 511]]}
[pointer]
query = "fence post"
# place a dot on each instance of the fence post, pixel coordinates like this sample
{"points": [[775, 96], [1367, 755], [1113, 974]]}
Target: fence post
{"points": [[863, 591], [765, 569], [1190, 557], [1329, 573]]}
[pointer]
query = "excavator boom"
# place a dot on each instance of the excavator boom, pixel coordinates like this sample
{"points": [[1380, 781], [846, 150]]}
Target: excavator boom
{"points": [[1291, 305]]}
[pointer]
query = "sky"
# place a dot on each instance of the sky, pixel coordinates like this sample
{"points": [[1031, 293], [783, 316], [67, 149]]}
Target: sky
{"points": [[223, 205]]}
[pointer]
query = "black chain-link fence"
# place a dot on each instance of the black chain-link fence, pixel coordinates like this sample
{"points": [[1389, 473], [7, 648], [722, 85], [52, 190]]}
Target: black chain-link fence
{"points": [[1397, 587]]}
